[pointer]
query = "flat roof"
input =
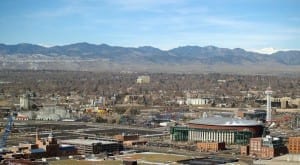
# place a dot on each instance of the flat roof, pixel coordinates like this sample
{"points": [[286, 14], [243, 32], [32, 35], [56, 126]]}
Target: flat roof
{"points": [[85, 141], [38, 150]]}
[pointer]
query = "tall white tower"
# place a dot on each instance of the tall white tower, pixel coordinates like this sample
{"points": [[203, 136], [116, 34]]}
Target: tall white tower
{"points": [[269, 92], [24, 102]]}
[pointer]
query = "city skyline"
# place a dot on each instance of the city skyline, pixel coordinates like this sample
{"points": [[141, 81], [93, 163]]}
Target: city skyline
{"points": [[251, 25]]}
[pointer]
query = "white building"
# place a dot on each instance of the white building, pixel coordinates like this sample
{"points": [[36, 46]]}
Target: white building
{"points": [[197, 101], [52, 112], [180, 101], [143, 79], [99, 101], [24, 102], [268, 93]]}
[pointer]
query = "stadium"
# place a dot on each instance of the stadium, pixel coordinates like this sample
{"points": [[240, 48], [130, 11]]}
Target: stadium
{"points": [[218, 129]]}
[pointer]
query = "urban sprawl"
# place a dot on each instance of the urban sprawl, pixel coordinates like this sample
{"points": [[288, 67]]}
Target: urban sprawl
{"points": [[78, 117]]}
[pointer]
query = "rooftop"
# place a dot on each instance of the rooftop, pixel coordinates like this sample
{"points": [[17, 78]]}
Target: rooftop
{"points": [[85, 141], [38, 150], [224, 121]]}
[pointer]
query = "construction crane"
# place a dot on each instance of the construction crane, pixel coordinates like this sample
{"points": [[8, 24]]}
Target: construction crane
{"points": [[7, 131]]}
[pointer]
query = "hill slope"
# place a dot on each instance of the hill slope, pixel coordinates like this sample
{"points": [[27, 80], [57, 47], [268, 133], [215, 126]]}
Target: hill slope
{"points": [[85, 56]]}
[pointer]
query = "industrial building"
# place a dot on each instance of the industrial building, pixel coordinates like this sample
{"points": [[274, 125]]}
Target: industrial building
{"points": [[210, 146], [294, 145], [49, 144], [126, 137], [288, 102], [45, 147], [267, 147], [52, 112], [130, 140], [197, 101], [218, 129], [92, 146], [252, 115]]}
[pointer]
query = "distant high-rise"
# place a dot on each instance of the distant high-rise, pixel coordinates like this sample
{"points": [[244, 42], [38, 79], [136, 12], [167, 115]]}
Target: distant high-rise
{"points": [[269, 92], [143, 80], [24, 102]]}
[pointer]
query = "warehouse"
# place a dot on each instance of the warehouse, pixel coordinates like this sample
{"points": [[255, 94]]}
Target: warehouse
{"points": [[218, 129], [267, 147], [91, 146]]}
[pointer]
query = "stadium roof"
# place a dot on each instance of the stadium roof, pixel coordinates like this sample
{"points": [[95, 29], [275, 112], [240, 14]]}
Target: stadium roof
{"points": [[224, 121]]}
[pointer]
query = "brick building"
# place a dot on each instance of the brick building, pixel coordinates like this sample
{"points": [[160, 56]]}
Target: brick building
{"points": [[210, 146], [255, 147], [130, 140], [49, 144], [294, 145], [245, 150], [45, 147], [124, 137], [131, 143], [267, 147]]}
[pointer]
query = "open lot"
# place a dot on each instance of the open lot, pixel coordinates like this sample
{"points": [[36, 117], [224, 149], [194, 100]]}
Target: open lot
{"points": [[26, 130], [151, 157], [84, 162], [142, 158]]}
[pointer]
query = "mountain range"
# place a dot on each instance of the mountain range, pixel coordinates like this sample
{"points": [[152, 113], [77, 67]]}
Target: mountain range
{"points": [[91, 57]]}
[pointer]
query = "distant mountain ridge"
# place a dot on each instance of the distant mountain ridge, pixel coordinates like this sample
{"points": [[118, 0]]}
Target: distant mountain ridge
{"points": [[145, 57]]}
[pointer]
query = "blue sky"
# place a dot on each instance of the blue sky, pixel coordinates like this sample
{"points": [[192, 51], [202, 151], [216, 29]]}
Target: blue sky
{"points": [[166, 24]]}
